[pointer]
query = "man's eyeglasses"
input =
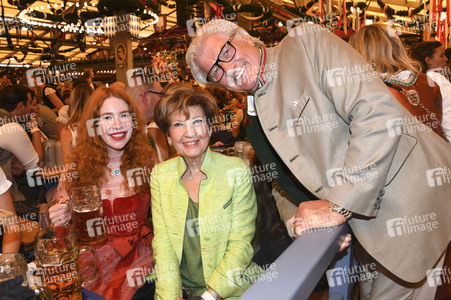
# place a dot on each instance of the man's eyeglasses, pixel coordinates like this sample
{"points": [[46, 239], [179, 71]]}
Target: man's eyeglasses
{"points": [[226, 54], [158, 93]]}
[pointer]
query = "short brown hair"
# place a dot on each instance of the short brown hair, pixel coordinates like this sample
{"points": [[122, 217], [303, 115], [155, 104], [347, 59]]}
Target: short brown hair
{"points": [[179, 97]]}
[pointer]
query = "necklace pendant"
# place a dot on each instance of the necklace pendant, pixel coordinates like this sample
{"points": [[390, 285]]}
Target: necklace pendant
{"points": [[117, 172], [412, 96]]}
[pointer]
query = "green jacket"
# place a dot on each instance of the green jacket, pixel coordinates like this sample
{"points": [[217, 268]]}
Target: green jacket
{"points": [[226, 224]]}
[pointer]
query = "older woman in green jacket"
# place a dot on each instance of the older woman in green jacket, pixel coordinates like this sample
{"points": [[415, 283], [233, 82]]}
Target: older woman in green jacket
{"points": [[203, 206]]}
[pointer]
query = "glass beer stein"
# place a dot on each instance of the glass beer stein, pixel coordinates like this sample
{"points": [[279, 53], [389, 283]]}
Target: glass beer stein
{"points": [[13, 266], [87, 214], [57, 265]]}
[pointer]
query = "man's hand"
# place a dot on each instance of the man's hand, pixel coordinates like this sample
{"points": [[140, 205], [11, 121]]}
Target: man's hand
{"points": [[315, 214]]}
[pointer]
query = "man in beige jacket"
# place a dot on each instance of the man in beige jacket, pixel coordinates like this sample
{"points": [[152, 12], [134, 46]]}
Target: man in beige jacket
{"points": [[346, 150]]}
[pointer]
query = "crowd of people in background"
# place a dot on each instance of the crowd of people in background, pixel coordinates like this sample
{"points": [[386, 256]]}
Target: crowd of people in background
{"points": [[173, 128]]}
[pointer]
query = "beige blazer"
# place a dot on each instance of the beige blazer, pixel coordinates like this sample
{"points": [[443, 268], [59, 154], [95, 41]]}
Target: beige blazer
{"points": [[343, 135]]}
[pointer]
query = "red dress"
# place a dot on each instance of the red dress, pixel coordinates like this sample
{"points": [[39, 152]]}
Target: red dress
{"points": [[125, 260]]}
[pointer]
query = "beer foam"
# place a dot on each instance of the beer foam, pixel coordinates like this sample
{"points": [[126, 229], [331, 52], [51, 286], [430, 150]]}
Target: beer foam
{"points": [[84, 210]]}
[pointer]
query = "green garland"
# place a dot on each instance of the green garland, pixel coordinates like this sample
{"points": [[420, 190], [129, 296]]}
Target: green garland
{"points": [[112, 7], [390, 12], [231, 7], [104, 8]]}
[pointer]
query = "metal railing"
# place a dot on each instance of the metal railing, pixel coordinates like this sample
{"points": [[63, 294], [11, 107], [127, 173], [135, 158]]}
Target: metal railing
{"points": [[296, 272]]}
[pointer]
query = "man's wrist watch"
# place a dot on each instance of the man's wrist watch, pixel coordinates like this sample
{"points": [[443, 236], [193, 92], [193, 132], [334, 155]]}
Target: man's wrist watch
{"points": [[344, 212]]}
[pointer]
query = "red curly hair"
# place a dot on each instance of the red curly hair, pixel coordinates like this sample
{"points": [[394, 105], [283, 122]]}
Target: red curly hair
{"points": [[90, 154]]}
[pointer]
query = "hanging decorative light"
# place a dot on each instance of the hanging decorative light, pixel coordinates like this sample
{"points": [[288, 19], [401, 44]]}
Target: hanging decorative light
{"points": [[135, 25], [110, 23], [110, 26]]}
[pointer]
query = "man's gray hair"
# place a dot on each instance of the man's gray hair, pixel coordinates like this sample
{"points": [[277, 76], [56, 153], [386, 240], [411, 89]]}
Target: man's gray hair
{"points": [[136, 91], [216, 26]]}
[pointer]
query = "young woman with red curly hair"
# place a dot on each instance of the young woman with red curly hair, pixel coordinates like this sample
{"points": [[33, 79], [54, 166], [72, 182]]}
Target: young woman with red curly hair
{"points": [[111, 140]]}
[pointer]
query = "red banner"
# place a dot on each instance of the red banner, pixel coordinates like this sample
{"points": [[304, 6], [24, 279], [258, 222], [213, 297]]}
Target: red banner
{"points": [[448, 11], [345, 20]]}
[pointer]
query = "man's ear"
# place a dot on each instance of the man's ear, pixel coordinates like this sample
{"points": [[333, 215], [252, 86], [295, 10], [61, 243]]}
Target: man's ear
{"points": [[144, 99], [427, 59], [20, 106], [246, 38]]}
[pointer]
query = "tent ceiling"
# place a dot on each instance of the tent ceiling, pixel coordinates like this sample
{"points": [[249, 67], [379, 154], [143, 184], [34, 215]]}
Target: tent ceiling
{"points": [[43, 37]]}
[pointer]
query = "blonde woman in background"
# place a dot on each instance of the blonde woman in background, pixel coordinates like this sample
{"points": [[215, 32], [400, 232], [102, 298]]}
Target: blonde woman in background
{"points": [[380, 46], [78, 99]]}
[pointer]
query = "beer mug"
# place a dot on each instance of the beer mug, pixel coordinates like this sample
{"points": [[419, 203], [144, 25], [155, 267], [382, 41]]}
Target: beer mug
{"points": [[57, 265], [87, 214], [13, 266], [49, 153], [238, 146], [58, 154]]}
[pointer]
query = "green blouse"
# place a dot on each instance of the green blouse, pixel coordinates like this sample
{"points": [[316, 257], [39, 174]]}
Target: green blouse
{"points": [[191, 266]]}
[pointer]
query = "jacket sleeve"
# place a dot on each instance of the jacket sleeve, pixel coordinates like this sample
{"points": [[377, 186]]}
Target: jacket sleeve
{"points": [[363, 101], [14, 139], [227, 279], [168, 284]]}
